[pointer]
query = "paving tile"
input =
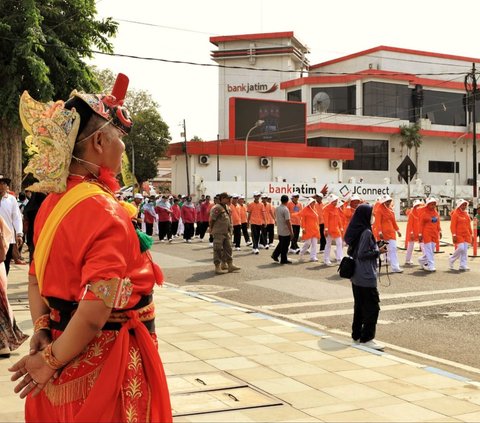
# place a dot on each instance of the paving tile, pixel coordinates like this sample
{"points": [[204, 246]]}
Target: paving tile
{"points": [[188, 367], [449, 406], [371, 361], [363, 375], [230, 325], [420, 395], [282, 413], [232, 363], [248, 331], [337, 365], [469, 417], [251, 350], [200, 344], [307, 399], [14, 416], [227, 416], [281, 385], [219, 333], [299, 336], [275, 358], [278, 328], [310, 356], [400, 371], [433, 381], [298, 369], [266, 339], [255, 373], [354, 416], [335, 407], [211, 353], [325, 380], [288, 347], [405, 412], [394, 387], [177, 357], [353, 392]]}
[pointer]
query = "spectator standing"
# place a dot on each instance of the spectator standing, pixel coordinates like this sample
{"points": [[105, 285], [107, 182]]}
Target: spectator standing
{"points": [[29, 213], [462, 235], [164, 213], [294, 206], [284, 231], [243, 218], [189, 216], [176, 215], [10, 211], [256, 219], [363, 248], [221, 229], [236, 221], [149, 215], [204, 217], [429, 233], [388, 230]]}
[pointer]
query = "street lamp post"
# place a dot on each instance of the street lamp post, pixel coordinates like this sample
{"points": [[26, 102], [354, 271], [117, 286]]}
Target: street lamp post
{"points": [[455, 167], [257, 124]]}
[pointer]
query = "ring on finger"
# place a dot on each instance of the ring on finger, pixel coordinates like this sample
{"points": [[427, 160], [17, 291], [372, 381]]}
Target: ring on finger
{"points": [[34, 382]]}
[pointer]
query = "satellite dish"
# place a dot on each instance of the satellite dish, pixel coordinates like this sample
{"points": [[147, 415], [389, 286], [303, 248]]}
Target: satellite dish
{"points": [[321, 102]]}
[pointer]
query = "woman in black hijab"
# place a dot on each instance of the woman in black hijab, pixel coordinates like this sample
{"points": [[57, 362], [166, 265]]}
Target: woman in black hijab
{"points": [[365, 251]]}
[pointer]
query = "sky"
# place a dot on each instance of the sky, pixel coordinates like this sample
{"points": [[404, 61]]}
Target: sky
{"points": [[180, 31]]}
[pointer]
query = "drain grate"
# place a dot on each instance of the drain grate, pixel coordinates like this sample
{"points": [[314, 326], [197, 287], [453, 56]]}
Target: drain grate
{"points": [[214, 392]]}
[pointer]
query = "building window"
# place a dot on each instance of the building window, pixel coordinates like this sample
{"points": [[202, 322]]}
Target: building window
{"points": [[294, 95], [438, 166], [369, 154], [444, 108], [387, 100], [340, 100]]}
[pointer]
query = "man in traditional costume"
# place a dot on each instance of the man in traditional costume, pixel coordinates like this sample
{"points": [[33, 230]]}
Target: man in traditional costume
{"points": [[94, 352]]}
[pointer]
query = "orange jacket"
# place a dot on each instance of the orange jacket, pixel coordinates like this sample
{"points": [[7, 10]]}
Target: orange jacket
{"points": [[348, 212], [242, 208], [461, 226], [429, 225], [413, 224], [256, 213], [319, 209], [235, 214], [295, 209], [386, 222], [310, 224], [268, 213], [376, 206], [333, 221]]}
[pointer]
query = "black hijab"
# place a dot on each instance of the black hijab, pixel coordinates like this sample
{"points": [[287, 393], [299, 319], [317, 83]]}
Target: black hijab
{"points": [[360, 221]]}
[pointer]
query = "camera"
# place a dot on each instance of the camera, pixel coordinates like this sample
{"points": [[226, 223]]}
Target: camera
{"points": [[381, 243]]}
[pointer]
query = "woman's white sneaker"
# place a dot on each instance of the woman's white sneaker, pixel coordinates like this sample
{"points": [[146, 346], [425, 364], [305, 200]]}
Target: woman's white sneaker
{"points": [[374, 345]]}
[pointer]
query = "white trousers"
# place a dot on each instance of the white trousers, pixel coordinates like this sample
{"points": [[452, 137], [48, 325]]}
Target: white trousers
{"points": [[461, 254], [312, 244], [392, 256], [328, 246], [410, 248], [429, 254]]}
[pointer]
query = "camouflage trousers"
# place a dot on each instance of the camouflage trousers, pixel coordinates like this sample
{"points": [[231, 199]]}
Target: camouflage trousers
{"points": [[222, 248]]}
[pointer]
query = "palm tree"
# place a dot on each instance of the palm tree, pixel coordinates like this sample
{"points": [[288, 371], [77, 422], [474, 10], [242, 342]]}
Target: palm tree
{"points": [[411, 138]]}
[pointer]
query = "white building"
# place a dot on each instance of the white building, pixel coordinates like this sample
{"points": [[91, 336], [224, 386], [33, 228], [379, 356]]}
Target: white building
{"points": [[334, 122]]}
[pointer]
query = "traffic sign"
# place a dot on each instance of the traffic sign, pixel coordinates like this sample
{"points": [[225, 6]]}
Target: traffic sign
{"points": [[407, 168]]}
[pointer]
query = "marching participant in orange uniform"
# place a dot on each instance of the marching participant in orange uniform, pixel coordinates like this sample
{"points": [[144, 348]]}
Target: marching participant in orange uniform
{"points": [[462, 234], [376, 206], [294, 206], [242, 207], [236, 221], [429, 233], [319, 209], [333, 229], [270, 221], [388, 230], [256, 219], [93, 356], [412, 230], [311, 231], [350, 207], [268, 231]]}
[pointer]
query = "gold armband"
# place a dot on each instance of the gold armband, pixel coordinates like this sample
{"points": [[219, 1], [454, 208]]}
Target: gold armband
{"points": [[43, 322], [50, 359], [115, 292]]}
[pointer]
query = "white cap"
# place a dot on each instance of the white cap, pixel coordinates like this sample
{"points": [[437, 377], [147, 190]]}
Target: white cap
{"points": [[234, 195], [384, 198], [460, 201], [311, 200], [431, 200], [417, 203], [355, 197], [138, 195], [242, 197], [319, 195], [331, 198], [264, 195], [340, 203], [256, 193]]}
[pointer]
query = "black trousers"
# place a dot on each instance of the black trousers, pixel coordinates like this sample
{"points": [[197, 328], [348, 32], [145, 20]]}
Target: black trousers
{"points": [[256, 234], [282, 248], [270, 232], [237, 235], [366, 308], [8, 258], [323, 240], [174, 227], [188, 231], [296, 234], [246, 236], [164, 230], [202, 229], [149, 228]]}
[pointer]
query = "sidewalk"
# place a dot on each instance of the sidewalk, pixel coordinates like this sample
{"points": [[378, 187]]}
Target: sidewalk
{"points": [[220, 357]]}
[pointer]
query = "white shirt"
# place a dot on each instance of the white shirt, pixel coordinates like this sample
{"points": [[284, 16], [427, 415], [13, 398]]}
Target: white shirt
{"points": [[10, 212]]}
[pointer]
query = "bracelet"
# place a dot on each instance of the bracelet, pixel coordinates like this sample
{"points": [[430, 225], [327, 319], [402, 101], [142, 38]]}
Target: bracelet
{"points": [[43, 322], [50, 359]]}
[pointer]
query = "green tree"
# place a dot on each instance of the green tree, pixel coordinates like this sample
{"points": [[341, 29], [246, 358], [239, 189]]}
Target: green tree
{"points": [[149, 138], [411, 138], [43, 44]]}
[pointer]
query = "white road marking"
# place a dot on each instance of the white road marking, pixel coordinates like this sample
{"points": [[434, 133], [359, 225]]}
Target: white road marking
{"points": [[382, 296], [347, 311]]}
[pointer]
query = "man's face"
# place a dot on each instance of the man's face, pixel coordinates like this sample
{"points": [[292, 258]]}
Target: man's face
{"points": [[234, 201], [225, 200], [295, 199], [354, 204], [3, 188], [113, 148]]}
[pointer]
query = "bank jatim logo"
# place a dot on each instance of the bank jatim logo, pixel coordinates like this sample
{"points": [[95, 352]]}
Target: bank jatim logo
{"points": [[272, 89], [257, 87]]}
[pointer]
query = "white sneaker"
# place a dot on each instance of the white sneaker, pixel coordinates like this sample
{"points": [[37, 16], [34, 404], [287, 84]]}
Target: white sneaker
{"points": [[421, 262], [256, 251], [291, 251], [249, 243], [271, 245], [314, 259], [464, 268], [373, 345], [450, 264], [328, 263], [237, 248], [409, 263], [185, 240], [429, 269], [210, 244], [267, 247], [397, 270], [261, 246]]}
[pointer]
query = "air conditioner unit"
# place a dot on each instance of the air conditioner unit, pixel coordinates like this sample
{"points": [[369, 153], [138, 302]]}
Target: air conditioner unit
{"points": [[335, 164], [204, 159], [265, 161]]}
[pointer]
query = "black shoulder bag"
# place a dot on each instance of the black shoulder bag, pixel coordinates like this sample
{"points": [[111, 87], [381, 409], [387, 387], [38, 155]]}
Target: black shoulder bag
{"points": [[347, 265]]}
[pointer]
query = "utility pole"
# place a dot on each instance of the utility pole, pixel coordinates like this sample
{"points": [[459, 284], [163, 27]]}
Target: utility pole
{"points": [[186, 157], [471, 89], [218, 157]]}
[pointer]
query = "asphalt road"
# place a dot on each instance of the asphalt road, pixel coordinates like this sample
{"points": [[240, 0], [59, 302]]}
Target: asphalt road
{"points": [[430, 318]]}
